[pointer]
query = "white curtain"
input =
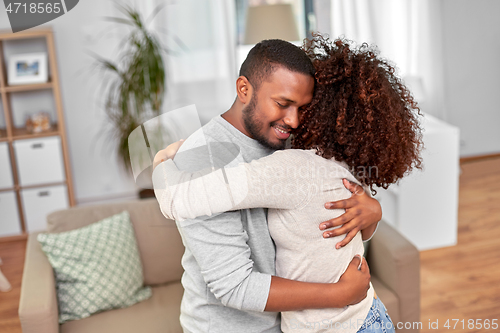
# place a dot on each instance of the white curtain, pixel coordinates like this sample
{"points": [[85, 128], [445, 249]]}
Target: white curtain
{"points": [[408, 32], [200, 36]]}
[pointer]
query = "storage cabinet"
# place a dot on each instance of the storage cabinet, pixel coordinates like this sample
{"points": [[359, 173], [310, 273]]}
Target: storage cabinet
{"points": [[39, 161], [6, 180], [424, 205], [35, 174], [40, 201], [10, 223]]}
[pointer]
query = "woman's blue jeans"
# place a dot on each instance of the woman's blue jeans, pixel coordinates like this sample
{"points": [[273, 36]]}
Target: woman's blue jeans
{"points": [[377, 320]]}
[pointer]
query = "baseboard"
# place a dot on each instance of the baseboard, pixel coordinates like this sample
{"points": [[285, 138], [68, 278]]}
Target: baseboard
{"points": [[478, 158], [106, 199], [15, 238]]}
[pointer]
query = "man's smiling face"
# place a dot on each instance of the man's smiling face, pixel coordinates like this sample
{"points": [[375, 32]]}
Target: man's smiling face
{"points": [[273, 110]]}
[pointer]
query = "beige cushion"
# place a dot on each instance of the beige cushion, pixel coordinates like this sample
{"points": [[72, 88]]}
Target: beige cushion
{"points": [[389, 299], [38, 300], [159, 314], [396, 262], [160, 245]]}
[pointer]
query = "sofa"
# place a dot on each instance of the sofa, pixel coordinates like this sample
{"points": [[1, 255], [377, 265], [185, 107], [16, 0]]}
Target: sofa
{"points": [[394, 265]]}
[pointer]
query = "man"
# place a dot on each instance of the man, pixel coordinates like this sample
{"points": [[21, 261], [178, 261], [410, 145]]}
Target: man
{"points": [[229, 260]]}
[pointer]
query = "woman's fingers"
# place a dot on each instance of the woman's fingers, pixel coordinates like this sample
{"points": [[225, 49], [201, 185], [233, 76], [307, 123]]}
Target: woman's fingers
{"points": [[350, 235], [347, 227], [352, 187], [342, 204], [340, 220]]}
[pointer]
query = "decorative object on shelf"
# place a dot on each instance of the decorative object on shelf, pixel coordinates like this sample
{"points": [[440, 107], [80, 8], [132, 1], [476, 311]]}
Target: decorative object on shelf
{"points": [[38, 122], [27, 68]]}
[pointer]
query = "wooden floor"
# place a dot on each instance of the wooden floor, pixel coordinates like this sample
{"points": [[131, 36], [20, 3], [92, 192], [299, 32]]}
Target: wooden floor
{"points": [[12, 254], [460, 282], [463, 281]]}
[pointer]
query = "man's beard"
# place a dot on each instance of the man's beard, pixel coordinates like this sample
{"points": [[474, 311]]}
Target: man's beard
{"points": [[255, 127]]}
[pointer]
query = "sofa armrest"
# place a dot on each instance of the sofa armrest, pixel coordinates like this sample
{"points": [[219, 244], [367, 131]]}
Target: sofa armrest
{"points": [[396, 263], [38, 310]]}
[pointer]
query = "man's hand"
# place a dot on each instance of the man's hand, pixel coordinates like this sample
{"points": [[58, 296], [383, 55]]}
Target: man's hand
{"points": [[167, 153], [362, 213], [355, 282]]}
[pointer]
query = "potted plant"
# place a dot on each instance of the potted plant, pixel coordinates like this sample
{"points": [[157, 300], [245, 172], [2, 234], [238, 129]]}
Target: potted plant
{"points": [[137, 87]]}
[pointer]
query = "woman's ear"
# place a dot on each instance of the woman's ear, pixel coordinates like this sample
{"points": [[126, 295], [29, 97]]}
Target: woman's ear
{"points": [[244, 89]]}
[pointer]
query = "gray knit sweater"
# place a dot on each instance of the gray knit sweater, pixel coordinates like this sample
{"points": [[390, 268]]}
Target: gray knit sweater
{"points": [[229, 257]]}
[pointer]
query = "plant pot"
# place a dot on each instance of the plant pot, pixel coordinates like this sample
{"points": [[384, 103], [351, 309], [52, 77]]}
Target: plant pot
{"points": [[146, 193]]}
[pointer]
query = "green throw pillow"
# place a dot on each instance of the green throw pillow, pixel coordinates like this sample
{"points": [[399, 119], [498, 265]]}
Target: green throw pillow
{"points": [[96, 267]]}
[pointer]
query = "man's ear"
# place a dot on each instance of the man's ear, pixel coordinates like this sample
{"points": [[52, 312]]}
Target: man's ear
{"points": [[244, 89]]}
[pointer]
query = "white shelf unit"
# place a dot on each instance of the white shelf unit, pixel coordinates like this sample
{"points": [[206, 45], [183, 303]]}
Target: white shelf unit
{"points": [[424, 205], [35, 174]]}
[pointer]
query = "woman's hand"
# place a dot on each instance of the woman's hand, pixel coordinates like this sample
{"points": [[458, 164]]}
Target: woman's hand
{"points": [[355, 281], [167, 153], [361, 212]]}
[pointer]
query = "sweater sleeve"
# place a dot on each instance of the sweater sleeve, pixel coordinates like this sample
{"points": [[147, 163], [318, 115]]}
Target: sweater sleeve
{"points": [[218, 247], [280, 180]]}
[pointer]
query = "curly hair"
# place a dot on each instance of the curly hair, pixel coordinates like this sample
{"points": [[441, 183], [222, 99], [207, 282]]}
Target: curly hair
{"points": [[361, 113]]}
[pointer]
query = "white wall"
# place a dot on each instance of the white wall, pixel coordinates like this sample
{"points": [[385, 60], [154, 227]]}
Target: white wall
{"points": [[471, 31], [96, 173]]}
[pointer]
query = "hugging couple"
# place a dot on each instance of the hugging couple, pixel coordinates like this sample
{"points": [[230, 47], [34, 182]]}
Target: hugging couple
{"points": [[273, 243]]}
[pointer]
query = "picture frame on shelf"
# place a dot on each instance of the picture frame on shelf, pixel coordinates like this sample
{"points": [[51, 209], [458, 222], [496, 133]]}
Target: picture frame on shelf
{"points": [[27, 68]]}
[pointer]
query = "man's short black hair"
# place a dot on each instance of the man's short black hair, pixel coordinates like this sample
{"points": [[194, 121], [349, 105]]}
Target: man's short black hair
{"points": [[265, 57]]}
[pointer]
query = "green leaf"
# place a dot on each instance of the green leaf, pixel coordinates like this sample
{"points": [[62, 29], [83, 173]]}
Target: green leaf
{"points": [[137, 91]]}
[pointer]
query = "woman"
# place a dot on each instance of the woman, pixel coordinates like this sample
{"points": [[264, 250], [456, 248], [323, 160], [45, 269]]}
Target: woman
{"points": [[361, 125]]}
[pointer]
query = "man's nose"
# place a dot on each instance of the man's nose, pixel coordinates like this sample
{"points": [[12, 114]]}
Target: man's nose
{"points": [[292, 117]]}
